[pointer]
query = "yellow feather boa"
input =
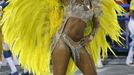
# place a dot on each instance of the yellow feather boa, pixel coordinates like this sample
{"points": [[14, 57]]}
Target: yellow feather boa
{"points": [[29, 26]]}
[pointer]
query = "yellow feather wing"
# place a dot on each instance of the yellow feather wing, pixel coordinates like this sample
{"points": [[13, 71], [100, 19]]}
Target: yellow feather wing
{"points": [[108, 27], [29, 26]]}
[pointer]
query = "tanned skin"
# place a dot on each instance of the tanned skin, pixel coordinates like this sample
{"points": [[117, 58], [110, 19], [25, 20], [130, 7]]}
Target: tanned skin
{"points": [[75, 28]]}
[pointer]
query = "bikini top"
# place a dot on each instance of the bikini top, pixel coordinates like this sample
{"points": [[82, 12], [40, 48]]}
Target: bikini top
{"points": [[84, 11]]}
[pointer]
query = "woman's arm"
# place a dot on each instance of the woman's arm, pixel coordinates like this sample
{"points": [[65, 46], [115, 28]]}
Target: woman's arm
{"points": [[94, 31], [95, 26]]}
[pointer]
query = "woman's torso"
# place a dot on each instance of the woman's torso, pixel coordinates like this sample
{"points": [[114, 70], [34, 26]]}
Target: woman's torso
{"points": [[80, 13]]}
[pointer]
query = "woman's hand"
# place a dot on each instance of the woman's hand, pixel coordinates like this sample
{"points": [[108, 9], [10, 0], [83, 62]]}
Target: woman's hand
{"points": [[87, 39]]}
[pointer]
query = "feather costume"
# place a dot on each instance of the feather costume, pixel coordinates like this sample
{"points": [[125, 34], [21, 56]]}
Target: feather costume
{"points": [[30, 25]]}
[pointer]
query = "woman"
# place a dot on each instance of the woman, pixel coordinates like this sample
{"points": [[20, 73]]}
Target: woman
{"points": [[75, 24], [71, 41]]}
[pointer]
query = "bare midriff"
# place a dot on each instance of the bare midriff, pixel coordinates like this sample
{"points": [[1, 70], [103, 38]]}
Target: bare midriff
{"points": [[75, 28], [79, 14]]}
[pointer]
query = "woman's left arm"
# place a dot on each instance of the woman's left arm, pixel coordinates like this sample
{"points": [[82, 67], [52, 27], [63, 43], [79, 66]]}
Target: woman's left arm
{"points": [[96, 24]]}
